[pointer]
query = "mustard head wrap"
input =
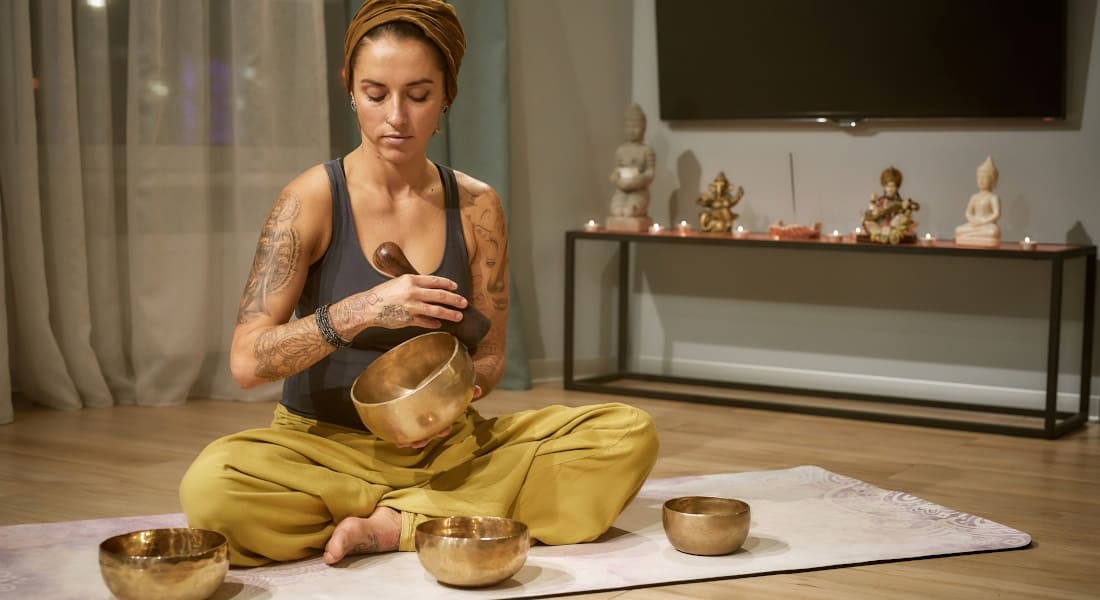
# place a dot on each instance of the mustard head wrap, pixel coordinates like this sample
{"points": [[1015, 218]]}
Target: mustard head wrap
{"points": [[435, 18]]}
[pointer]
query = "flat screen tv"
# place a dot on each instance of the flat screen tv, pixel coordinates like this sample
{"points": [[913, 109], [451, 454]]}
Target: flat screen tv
{"points": [[847, 60]]}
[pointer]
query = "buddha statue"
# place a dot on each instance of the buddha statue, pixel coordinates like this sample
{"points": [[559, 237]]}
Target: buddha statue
{"points": [[982, 212], [635, 165]]}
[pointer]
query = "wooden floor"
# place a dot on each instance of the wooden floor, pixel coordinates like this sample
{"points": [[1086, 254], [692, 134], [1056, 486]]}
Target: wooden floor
{"points": [[57, 466]]}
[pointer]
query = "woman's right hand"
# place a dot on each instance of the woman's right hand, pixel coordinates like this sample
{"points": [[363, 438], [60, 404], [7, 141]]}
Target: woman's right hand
{"points": [[409, 300]]}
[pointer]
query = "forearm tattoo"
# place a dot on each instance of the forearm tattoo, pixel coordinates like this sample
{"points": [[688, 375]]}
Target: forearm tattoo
{"points": [[276, 260], [286, 350], [393, 315]]}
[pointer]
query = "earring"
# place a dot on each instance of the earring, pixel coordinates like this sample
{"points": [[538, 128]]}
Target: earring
{"points": [[353, 104], [436, 130]]}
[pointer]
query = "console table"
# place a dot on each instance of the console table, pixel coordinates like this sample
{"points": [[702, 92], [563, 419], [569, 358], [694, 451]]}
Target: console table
{"points": [[1054, 423]]}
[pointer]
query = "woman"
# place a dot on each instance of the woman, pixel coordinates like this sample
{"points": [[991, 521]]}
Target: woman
{"points": [[316, 481]]}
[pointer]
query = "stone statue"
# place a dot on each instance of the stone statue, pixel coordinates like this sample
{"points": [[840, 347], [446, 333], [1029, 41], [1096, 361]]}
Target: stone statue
{"points": [[982, 212], [889, 218], [719, 202], [635, 165]]}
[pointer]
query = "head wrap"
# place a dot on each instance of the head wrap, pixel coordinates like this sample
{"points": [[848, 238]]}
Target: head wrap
{"points": [[435, 18]]}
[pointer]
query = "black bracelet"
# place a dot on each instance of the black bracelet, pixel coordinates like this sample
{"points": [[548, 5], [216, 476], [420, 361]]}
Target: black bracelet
{"points": [[327, 331]]}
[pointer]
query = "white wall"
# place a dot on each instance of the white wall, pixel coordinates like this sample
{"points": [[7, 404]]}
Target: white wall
{"points": [[918, 326]]}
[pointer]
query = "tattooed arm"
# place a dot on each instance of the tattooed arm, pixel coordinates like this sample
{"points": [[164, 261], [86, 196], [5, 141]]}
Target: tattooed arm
{"points": [[267, 345], [487, 245]]}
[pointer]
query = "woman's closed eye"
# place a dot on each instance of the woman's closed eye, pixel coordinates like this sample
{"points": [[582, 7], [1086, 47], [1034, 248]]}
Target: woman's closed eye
{"points": [[413, 97]]}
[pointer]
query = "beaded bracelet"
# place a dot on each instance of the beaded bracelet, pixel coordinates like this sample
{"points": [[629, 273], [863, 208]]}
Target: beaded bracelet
{"points": [[327, 330]]}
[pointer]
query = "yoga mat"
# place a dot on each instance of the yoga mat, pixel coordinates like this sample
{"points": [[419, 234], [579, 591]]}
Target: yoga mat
{"points": [[803, 518]]}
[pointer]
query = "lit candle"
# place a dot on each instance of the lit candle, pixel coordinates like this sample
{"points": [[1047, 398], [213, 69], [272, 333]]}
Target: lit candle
{"points": [[591, 225], [834, 236], [1028, 243], [928, 240], [684, 227], [655, 228], [740, 233]]}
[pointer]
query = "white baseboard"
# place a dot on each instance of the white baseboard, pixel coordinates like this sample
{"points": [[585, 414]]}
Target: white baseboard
{"points": [[547, 370]]}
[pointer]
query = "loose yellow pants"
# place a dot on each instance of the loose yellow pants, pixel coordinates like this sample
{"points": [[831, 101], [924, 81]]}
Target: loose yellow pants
{"points": [[277, 493]]}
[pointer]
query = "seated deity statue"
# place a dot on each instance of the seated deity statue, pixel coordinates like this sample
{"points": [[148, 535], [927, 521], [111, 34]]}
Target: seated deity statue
{"points": [[889, 218], [982, 212], [635, 165], [719, 202]]}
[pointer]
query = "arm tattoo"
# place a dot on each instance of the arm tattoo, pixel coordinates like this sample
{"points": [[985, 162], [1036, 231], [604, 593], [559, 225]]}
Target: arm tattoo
{"points": [[393, 315], [276, 260], [286, 350], [493, 249]]}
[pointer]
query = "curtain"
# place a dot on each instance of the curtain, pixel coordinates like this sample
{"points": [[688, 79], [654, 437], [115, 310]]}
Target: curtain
{"points": [[142, 144], [474, 139]]}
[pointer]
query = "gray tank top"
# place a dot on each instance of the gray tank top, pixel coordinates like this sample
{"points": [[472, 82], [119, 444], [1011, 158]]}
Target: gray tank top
{"points": [[323, 391]]}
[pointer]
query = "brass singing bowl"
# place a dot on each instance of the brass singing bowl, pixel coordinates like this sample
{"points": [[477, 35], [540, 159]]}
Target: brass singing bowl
{"points": [[416, 389], [472, 551], [704, 525], [170, 564]]}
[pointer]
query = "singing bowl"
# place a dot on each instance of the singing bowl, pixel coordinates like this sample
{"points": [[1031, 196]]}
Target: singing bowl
{"points": [[704, 525], [173, 564], [416, 389], [472, 551]]}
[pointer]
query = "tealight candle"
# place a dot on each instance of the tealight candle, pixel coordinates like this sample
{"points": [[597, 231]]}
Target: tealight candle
{"points": [[1028, 243], [655, 228], [591, 225], [684, 227], [834, 236], [928, 240], [740, 233]]}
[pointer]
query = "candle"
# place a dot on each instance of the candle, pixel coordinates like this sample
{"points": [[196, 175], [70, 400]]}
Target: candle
{"points": [[859, 230], [655, 228], [928, 240], [684, 227], [834, 236], [591, 225], [740, 233], [1028, 243]]}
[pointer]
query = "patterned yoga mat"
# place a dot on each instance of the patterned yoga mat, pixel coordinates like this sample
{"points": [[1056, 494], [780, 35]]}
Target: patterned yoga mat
{"points": [[802, 518]]}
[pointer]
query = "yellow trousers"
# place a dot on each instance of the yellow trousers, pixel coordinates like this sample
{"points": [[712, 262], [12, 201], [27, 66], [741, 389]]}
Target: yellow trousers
{"points": [[277, 493]]}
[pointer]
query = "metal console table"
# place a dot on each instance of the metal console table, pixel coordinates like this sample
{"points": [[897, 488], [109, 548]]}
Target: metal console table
{"points": [[1054, 422]]}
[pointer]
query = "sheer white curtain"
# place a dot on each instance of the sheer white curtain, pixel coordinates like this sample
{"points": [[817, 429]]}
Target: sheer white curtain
{"points": [[142, 143]]}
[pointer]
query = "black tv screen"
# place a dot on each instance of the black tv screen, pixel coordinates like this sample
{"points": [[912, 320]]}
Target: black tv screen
{"points": [[861, 59]]}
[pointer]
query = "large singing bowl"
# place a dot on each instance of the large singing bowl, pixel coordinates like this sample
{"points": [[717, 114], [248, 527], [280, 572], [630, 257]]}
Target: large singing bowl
{"points": [[170, 564], [472, 551], [415, 390]]}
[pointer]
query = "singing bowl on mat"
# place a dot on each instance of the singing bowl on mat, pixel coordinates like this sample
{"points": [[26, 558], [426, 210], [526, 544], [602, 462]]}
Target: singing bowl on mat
{"points": [[472, 551], [170, 564], [704, 525], [416, 389]]}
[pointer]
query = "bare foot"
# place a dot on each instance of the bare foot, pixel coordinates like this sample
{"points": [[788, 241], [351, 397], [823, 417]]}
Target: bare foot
{"points": [[380, 532]]}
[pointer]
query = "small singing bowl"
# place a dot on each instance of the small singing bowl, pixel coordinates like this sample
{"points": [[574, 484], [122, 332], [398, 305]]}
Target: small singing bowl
{"points": [[472, 551], [173, 564], [704, 525], [416, 389]]}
